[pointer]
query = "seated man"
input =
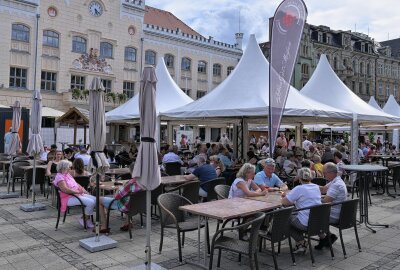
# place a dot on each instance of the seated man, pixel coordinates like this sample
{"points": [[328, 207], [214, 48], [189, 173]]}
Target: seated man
{"points": [[336, 192], [267, 179], [204, 172], [290, 164], [83, 155], [172, 156]]}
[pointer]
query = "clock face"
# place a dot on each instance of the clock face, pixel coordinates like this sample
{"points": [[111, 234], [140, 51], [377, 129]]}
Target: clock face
{"points": [[95, 8]]}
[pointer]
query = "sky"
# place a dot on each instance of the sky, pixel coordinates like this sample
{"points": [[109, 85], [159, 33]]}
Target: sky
{"points": [[220, 18]]}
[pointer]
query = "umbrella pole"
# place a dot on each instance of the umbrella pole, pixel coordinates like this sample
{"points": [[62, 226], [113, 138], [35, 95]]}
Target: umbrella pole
{"points": [[33, 180], [97, 207], [148, 230], [10, 172]]}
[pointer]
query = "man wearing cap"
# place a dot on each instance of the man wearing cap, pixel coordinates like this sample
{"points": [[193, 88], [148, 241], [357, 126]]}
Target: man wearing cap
{"points": [[267, 178]]}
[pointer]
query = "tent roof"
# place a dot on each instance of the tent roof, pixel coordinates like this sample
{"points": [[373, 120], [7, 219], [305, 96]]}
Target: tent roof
{"points": [[326, 87], [392, 107], [50, 112], [245, 93], [168, 96], [74, 116], [373, 103]]}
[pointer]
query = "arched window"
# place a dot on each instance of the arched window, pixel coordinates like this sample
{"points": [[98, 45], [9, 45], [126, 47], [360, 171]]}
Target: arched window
{"points": [[51, 38], [106, 50], [361, 68], [186, 63], [202, 67], [150, 58], [354, 66], [304, 69], [335, 63], [229, 70], [169, 60], [20, 32], [217, 70], [368, 69], [78, 44], [130, 54]]}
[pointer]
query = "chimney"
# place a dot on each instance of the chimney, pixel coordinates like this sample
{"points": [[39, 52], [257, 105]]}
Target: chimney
{"points": [[239, 39]]}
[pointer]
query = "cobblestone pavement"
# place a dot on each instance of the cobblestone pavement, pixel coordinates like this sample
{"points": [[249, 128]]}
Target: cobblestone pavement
{"points": [[29, 241]]}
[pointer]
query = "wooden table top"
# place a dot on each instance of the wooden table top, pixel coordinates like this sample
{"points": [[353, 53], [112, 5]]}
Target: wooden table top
{"points": [[173, 180], [272, 197], [109, 186], [118, 171], [230, 208], [364, 168]]}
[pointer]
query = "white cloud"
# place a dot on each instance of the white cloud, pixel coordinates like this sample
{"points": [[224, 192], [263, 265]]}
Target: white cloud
{"points": [[220, 18]]}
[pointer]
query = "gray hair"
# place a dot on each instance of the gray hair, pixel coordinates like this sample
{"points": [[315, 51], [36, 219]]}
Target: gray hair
{"points": [[305, 174], [63, 165], [331, 167], [245, 169]]}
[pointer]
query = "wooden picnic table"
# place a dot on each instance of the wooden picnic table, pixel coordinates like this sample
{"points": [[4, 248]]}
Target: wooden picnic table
{"points": [[118, 171]]}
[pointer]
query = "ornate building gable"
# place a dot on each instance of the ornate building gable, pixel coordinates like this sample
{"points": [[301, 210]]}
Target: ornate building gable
{"points": [[92, 62]]}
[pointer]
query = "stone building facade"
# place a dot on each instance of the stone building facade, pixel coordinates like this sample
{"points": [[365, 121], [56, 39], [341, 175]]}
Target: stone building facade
{"points": [[112, 39], [367, 67]]}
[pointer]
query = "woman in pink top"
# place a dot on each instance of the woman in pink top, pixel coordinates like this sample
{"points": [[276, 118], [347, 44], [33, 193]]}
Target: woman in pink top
{"points": [[67, 185]]}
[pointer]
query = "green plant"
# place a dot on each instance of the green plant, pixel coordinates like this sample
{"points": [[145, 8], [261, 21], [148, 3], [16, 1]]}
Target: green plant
{"points": [[76, 93], [111, 96], [371, 137], [122, 97], [346, 136]]}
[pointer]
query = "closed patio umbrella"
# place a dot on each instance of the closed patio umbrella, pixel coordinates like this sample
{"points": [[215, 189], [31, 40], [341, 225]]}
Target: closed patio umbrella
{"points": [[146, 170], [35, 145], [97, 136], [15, 142], [98, 161]]}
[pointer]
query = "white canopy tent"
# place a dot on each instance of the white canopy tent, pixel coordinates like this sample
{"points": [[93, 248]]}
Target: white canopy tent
{"points": [[50, 112], [169, 96], [245, 94], [392, 107], [373, 103], [326, 87]]}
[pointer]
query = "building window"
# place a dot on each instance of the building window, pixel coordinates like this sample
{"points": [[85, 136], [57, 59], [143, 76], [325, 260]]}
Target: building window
{"points": [[395, 91], [50, 38], [107, 85], [48, 81], [368, 69], [360, 88], [129, 89], [387, 90], [380, 69], [361, 68], [304, 69], [367, 90], [78, 44], [169, 60], [200, 94], [186, 91], [229, 70], [380, 87], [202, 67], [335, 63], [217, 70], [77, 82], [345, 63], [150, 58], [130, 54], [353, 86], [354, 66], [186, 63], [106, 50], [20, 32], [18, 77]]}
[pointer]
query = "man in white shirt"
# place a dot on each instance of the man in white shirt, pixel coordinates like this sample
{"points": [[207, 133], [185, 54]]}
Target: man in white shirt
{"points": [[43, 155], [82, 154], [224, 140], [306, 144], [336, 191]]}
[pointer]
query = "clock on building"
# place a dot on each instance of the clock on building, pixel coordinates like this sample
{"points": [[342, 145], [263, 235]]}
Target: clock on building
{"points": [[52, 11], [95, 8]]}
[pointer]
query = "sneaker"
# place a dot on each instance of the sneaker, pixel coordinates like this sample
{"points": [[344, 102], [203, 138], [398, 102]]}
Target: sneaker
{"points": [[322, 243], [89, 224], [300, 249], [333, 239]]}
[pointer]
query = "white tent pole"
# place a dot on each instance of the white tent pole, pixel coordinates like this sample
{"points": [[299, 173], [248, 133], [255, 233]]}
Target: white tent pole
{"points": [[354, 139], [299, 134], [395, 139], [245, 138]]}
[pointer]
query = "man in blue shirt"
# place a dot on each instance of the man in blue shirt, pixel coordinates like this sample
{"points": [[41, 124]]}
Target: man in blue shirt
{"points": [[267, 178], [204, 172]]}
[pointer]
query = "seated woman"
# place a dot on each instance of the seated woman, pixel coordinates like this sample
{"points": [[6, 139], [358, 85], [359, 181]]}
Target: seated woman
{"points": [[121, 203], [52, 164], [218, 165], [67, 185], [305, 195], [78, 168], [244, 186]]}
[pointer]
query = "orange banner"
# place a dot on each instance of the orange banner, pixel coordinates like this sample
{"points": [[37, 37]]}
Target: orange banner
{"points": [[20, 131]]}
